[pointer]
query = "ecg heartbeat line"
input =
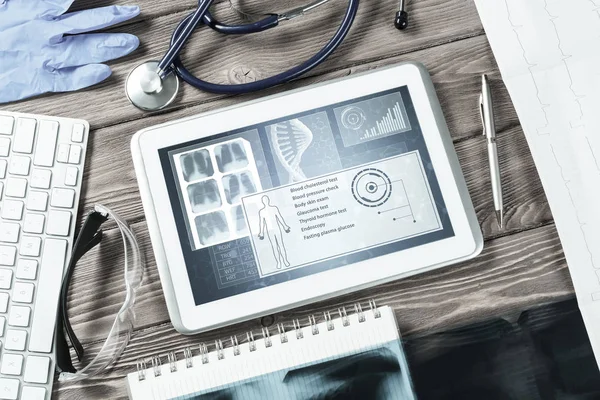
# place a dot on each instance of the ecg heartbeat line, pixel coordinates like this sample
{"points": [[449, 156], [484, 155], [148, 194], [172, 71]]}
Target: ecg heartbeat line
{"points": [[530, 67], [565, 57], [593, 153], [596, 7], [581, 224]]}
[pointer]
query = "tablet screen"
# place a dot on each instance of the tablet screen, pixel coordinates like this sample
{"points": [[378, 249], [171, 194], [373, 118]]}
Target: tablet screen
{"points": [[302, 194]]}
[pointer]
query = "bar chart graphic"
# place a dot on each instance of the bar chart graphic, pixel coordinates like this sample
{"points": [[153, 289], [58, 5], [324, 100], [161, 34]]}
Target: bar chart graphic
{"points": [[392, 122], [372, 119]]}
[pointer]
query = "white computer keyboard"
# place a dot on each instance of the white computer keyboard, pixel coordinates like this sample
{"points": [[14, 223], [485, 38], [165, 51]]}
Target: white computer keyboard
{"points": [[41, 168]]}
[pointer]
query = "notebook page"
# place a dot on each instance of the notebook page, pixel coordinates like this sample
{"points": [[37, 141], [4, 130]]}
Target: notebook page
{"points": [[329, 361]]}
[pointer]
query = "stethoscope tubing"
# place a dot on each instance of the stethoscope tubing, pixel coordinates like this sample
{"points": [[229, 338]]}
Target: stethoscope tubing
{"points": [[271, 21], [187, 27], [188, 24]]}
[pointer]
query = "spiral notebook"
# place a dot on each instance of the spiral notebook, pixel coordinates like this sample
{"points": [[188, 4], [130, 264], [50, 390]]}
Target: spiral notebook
{"points": [[343, 354]]}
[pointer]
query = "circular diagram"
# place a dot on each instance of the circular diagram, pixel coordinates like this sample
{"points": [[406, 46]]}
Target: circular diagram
{"points": [[353, 118], [371, 187]]}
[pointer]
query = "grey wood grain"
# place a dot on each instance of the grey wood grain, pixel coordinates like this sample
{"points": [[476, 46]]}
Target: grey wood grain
{"points": [[153, 9], [513, 273], [217, 58], [110, 179], [149, 9]]}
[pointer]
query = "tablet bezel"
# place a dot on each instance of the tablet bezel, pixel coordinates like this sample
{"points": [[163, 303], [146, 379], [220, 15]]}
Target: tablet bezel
{"points": [[464, 244]]}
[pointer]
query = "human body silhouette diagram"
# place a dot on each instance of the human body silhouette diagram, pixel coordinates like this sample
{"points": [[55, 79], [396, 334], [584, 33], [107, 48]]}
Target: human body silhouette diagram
{"points": [[271, 223]]}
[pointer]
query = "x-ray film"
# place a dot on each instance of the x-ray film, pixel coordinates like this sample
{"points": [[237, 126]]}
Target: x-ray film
{"points": [[204, 196], [231, 156], [212, 228], [237, 185], [215, 178], [196, 165]]}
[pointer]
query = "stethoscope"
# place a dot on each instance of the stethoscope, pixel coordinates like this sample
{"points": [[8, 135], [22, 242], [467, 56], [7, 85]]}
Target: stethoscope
{"points": [[153, 85]]}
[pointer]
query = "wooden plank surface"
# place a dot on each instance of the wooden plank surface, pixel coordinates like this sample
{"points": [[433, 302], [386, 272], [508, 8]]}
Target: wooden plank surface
{"points": [[217, 58], [108, 159], [514, 272], [521, 266]]}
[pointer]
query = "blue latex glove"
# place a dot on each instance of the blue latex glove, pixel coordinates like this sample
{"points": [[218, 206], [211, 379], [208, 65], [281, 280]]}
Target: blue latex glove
{"points": [[36, 57]]}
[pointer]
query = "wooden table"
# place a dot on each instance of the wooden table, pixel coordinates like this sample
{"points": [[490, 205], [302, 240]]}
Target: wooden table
{"points": [[521, 266]]}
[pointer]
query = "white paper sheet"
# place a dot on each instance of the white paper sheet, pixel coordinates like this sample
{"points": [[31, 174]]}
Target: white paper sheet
{"points": [[549, 54]]}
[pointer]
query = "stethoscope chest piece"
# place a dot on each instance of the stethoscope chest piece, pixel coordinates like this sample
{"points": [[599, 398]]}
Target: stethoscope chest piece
{"points": [[147, 91]]}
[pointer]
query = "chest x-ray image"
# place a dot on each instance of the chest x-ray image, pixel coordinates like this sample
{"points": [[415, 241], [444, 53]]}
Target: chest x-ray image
{"points": [[204, 196], [237, 215], [196, 165], [231, 156], [374, 375], [238, 185], [212, 228]]}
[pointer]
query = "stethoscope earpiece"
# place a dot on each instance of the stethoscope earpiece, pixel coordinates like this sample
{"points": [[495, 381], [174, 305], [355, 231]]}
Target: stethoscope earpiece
{"points": [[401, 21]]}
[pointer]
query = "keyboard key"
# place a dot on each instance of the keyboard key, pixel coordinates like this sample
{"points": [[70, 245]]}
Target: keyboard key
{"points": [[4, 147], [59, 223], [13, 209], [9, 389], [62, 198], [11, 364], [63, 153], [26, 269], [46, 301], [3, 164], [2, 320], [19, 165], [46, 144], [74, 154], [37, 201], [3, 302], [71, 176], [6, 125], [40, 178], [34, 223], [5, 278], [16, 187], [23, 292], [1, 189], [7, 255], [33, 393], [77, 134], [37, 369], [30, 246], [24, 135], [9, 232], [15, 340], [19, 316]]}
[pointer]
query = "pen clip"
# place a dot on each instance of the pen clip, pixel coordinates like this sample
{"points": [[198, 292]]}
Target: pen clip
{"points": [[481, 113]]}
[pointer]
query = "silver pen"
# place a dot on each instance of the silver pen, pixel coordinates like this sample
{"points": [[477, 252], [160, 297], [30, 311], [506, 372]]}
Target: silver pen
{"points": [[489, 131]]}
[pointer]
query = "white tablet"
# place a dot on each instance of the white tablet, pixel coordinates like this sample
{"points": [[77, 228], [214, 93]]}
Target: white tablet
{"points": [[303, 196]]}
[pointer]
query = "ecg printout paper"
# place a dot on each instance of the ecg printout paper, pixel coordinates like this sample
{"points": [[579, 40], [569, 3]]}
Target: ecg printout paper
{"points": [[548, 52]]}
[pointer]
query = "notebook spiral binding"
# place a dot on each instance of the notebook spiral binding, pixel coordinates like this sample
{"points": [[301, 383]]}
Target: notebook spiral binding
{"points": [[342, 312]]}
